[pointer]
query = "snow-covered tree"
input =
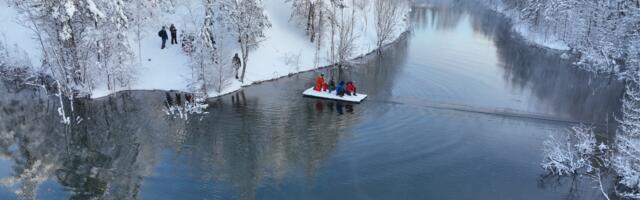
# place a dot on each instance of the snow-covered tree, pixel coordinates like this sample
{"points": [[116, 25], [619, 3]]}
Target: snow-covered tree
{"points": [[626, 161], [63, 28], [248, 21], [602, 34], [211, 71], [114, 51], [577, 153], [567, 155]]}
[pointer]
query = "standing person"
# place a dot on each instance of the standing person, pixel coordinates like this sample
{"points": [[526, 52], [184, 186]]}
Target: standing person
{"points": [[174, 34], [236, 64], [164, 36]]}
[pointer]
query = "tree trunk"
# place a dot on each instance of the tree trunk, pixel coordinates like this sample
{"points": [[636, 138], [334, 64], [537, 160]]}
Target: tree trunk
{"points": [[244, 46], [245, 57]]}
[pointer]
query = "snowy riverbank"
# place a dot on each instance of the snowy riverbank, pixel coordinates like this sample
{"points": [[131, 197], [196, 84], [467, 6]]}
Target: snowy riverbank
{"points": [[285, 50], [601, 35]]}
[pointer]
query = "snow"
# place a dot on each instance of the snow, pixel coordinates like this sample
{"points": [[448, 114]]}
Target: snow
{"points": [[162, 69], [285, 50], [70, 9], [92, 7], [332, 95], [549, 41]]}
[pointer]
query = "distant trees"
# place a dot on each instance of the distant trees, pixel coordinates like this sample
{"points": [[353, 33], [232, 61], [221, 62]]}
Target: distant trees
{"points": [[626, 161], [605, 37], [338, 25], [602, 34]]}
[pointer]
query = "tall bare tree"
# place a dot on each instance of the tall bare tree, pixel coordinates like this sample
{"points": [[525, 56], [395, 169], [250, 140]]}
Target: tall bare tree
{"points": [[249, 22]]}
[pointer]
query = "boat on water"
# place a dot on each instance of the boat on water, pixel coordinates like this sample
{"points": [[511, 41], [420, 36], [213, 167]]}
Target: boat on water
{"points": [[333, 96]]}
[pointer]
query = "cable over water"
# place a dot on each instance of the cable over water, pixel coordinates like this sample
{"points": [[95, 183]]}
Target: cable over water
{"points": [[495, 111]]}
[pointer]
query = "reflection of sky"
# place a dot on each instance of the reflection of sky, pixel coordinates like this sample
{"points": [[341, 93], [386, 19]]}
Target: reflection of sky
{"points": [[456, 65], [474, 61]]}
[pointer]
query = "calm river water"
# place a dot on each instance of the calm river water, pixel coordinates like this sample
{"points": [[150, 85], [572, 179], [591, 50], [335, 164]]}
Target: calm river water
{"points": [[458, 109]]}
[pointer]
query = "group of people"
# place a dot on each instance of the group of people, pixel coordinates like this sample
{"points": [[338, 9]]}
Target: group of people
{"points": [[341, 89], [187, 46], [164, 36]]}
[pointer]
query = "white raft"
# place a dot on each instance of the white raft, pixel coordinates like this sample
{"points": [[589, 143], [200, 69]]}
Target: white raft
{"points": [[332, 96]]}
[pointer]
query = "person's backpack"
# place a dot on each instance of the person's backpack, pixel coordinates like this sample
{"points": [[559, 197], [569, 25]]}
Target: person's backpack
{"points": [[160, 34]]}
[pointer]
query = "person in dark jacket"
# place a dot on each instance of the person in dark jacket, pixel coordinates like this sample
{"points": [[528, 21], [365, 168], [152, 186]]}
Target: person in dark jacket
{"points": [[340, 89], [174, 34], [236, 64], [164, 36], [332, 85], [169, 101]]}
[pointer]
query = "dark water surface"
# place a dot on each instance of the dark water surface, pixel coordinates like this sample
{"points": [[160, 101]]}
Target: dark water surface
{"points": [[457, 110]]}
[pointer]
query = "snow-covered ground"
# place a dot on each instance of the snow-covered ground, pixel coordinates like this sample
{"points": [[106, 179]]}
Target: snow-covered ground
{"points": [[285, 50]]}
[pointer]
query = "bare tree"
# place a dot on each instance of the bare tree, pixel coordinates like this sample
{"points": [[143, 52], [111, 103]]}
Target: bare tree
{"points": [[342, 31], [389, 14], [248, 21]]}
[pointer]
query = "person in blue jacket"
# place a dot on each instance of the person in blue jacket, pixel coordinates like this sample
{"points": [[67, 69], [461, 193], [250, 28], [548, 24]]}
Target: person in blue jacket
{"points": [[340, 89]]}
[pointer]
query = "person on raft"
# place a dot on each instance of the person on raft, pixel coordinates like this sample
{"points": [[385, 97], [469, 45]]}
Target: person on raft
{"points": [[351, 88], [319, 83], [332, 85], [340, 89]]}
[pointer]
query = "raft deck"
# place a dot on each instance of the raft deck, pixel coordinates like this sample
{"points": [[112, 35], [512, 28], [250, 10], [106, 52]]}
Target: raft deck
{"points": [[332, 96]]}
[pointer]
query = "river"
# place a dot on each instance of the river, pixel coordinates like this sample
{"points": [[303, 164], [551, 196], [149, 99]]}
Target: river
{"points": [[457, 109]]}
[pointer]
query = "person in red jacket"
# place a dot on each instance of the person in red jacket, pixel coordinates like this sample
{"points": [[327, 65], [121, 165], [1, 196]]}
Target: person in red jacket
{"points": [[319, 83], [351, 88]]}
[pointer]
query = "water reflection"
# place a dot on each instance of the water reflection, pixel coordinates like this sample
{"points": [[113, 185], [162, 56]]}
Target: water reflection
{"points": [[555, 87]]}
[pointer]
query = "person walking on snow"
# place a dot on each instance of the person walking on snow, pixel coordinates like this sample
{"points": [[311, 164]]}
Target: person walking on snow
{"points": [[236, 64], [174, 34], [164, 36]]}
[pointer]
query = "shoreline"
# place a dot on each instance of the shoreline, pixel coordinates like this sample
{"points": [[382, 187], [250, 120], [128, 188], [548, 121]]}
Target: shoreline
{"points": [[401, 36]]}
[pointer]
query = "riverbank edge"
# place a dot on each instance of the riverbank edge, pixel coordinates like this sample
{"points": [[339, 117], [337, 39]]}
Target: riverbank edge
{"points": [[400, 37]]}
